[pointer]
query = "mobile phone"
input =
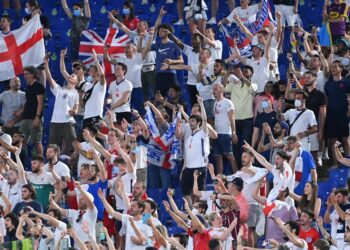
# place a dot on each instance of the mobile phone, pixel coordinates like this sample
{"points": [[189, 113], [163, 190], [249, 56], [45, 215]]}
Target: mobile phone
{"points": [[63, 178], [215, 181], [172, 191], [69, 226], [145, 218], [26, 209], [291, 75]]}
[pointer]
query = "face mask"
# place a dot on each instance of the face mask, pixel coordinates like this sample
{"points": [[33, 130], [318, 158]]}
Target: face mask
{"points": [[264, 104], [345, 61], [195, 211], [89, 78], [297, 103], [115, 170], [114, 26], [76, 12], [126, 11], [28, 11]]}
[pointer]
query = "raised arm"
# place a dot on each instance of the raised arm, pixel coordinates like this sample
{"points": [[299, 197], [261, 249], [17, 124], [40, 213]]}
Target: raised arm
{"points": [[176, 210], [176, 40], [242, 27], [63, 211], [96, 145], [339, 156], [162, 12], [108, 207], [100, 70], [196, 192], [176, 218], [292, 238], [8, 205], [53, 221], [227, 231], [49, 78], [129, 165], [279, 29], [66, 9], [194, 218], [63, 69], [119, 24], [90, 203], [203, 114], [87, 11], [101, 167], [261, 159], [106, 56]]}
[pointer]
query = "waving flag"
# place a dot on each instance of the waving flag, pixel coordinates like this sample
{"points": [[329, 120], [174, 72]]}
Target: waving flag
{"points": [[263, 18], [22, 47], [91, 40]]}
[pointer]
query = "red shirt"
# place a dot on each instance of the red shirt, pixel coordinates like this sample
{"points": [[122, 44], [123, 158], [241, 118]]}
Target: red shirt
{"points": [[132, 23], [309, 236], [109, 165], [200, 241]]}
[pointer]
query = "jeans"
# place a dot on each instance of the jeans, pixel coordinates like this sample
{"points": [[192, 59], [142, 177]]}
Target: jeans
{"points": [[158, 177], [244, 131], [148, 80], [137, 100]]}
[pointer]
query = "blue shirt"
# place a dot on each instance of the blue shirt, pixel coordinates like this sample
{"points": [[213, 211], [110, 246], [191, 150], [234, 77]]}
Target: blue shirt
{"points": [[163, 51], [336, 93], [93, 188], [303, 171]]}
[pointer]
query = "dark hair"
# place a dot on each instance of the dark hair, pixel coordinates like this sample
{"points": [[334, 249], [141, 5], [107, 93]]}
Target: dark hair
{"points": [[212, 30], [140, 204], [119, 160], [293, 226], [322, 244], [39, 158], [166, 27], [194, 36], [286, 191], [340, 65], [283, 155], [248, 68], [207, 50], [31, 70], [309, 204], [197, 118], [196, 105], [343, 191], [152, 204], [130, 6], [55, 148], [214, 244], [221, 62], [292, 138], [311, 73], [124, 67], [78, 5], [31, 189], [176, 88], [13, 218], [309, 213], [7, 17], [33, 3], [203, 205], [248, 152], [301, 92], [56, 213]]}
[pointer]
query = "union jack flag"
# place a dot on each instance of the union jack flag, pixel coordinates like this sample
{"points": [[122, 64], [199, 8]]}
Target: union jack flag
{"points": [[91, 40]]}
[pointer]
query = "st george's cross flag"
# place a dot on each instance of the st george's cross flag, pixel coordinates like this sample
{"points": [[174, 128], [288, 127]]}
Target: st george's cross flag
{"points": [[22, 47]]}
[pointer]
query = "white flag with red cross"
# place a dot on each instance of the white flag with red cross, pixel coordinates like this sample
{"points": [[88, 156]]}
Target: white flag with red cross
{"points": [[91, 40], [22, 47]]}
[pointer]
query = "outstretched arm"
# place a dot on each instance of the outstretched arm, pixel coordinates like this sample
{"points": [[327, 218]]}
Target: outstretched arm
{"points": [[63, 69], [87, 8], [66, 9], [100, 70], [261, 159], [49, 78], [108, 207]]}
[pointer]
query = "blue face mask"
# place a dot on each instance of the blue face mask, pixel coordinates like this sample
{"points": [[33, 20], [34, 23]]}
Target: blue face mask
{"points": [[126, 11], [89, 78], [27, 10], [76, 12], [264, 104], [115, 170]]}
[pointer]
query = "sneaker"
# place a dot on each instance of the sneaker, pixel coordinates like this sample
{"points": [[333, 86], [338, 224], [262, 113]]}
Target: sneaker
{"points": [[212, 21], [319, 159], [325, 155], [169, 1], [180, 22], [144, 2]]}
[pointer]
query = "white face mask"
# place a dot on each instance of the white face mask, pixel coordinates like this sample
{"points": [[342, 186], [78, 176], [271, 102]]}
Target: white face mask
{"points": [[345, 61], [114, 26], [195, 211], [297, 103]]}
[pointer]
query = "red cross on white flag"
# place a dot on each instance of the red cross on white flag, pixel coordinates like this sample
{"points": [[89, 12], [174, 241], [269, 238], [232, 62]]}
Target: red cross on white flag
{"points": [[22, 47]]}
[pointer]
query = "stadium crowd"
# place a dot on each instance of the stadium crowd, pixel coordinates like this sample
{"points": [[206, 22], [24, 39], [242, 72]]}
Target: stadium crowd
{"points": [[237, 149]]}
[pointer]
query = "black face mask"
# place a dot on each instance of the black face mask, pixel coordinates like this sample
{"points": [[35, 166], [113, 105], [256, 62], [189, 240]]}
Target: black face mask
{"points": [[285, 238]]}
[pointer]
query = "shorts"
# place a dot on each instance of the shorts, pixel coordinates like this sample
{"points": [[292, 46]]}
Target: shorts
{"points": [[91, 122], [191, 15], [209, 108], [31, 134], [287, 14], [254, 215], [314, 143], [337, 125], [222, 145], [187, 180], [123, 115], [164, 81]]}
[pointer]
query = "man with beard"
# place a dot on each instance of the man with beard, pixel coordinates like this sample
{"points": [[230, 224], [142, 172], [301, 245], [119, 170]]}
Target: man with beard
{"points": [[52, 154], [28, 200], [139, 192], [13, 102], [307, 232], [282, 176], [318, 104], [228, 215], [280, 131], [42, 181], [319, 66], [11, 224], [131, 223], [85, 216]]}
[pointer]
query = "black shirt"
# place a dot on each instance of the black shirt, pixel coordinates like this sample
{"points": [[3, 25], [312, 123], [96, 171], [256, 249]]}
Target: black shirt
{"points": [[31, 105], [10, 235], [316, 100], [336, 92], [284, 2]]}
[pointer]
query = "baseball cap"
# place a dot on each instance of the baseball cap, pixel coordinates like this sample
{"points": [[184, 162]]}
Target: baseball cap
{"points": [[259, 45], [238, 181], [343, 40]]}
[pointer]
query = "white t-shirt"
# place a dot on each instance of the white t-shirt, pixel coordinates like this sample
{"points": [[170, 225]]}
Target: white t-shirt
{"points": [[89, 217], [222, 122], [133, 73], [2, 227], [294, 247], [196, 148], [66, 99], [211, 205], [42, 179], [62, 227], [304, 122], [261, 71], [116, 92], [321, 81], [60, 168], [94, 106], [8, 139], [216, 231], [192, 59], [205, 90], [13, 193], [216, 51], [245, 15], [145, 230]]}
